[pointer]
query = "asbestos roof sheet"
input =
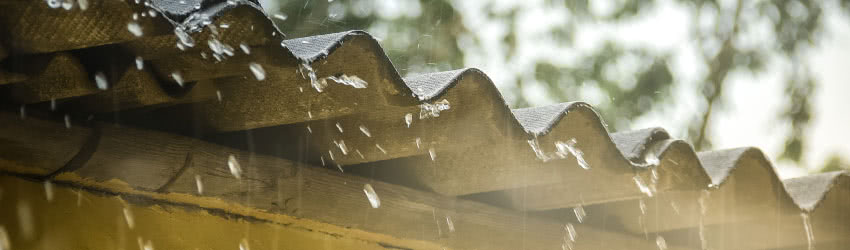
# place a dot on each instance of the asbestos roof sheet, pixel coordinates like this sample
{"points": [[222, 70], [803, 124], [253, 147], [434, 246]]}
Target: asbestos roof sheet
{"points": [[441, 141]]}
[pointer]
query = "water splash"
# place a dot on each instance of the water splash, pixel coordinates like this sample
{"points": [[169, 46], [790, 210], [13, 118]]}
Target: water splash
{"points": [[23, 111], [372, 196], [427, 110], [235, 168], [352, 81], [140, 63], [365, 131], [258, 71], [580, 213], [48, 190], [183, 37], [54, 4], [307, 72], [660, 242], [135, 28], [128, 217], [535, 146], [200, 184], [810, 234], [331, 154], [100, 80], [570, 147]]}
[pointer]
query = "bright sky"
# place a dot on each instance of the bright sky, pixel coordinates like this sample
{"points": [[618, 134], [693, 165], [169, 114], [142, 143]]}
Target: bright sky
{"points": [[753, 101]]}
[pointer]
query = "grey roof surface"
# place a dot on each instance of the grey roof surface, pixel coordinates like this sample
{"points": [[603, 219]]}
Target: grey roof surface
{"points": [[224, 102]]}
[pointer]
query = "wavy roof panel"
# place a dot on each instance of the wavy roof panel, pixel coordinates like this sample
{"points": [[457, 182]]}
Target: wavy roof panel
{"points": [[441, 144]]}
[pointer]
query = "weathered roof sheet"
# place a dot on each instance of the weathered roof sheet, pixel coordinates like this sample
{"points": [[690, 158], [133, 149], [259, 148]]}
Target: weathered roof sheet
{"points": [[476, 149]]}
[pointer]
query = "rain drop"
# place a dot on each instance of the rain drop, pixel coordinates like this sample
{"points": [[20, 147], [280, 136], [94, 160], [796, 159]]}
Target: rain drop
{"points": [[810, 234], [281, 17], [380, 148], [184, 38], [100, 80], [23, 112], [135, 28], [48, 190], [365, 131], [450, 224], [258, 71], [580, 213], [67, 121], [408, 119], [25, 220], [642, 185], [128, 217], [372, 196], [84, 4], [177, 78], [418, 143], [199, 184], [243, 245], [5, 243], [234, 167], [570, 147], [339, 127], [140, 63], [433, 154], [245, 48]]}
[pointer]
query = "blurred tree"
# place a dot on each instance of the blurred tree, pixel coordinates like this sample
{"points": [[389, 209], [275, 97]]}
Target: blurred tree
{"points": [[424, 35], [834, 163]]}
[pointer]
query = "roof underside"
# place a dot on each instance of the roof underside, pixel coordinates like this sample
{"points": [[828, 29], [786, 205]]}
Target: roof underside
{"points": [[439, 148]]}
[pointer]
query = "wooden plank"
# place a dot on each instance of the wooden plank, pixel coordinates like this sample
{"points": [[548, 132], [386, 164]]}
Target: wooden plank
{"points": [[274, 188], [36, 147]]}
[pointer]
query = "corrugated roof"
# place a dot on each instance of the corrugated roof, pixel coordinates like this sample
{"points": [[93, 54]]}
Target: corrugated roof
{"points": [[448, 135]]}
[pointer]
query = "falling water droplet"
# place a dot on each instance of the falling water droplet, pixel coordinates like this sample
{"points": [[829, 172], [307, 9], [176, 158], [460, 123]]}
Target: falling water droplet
{"points": [[5, 243], [408, 119], [642, 205], [258, 71], [537, 150], [341, 145], [53, 4], [67, 4], [642, 185], [199, 184], [67, 121], [380, 148], [148, 245], [331, 154], [418, 143], [245, 48], [450, 224], [339, 127], [140, 63], [25, 220], [365, 131], [360, 154], [372, 196], [100, 80], [48, 190], [218, 95], [309, 114], [433, 154], [661, 243], [281, 17], [177, 78], [135, 28], [571, 232], [234, 167], [703, 209], [128, 217], [23, 112], [52, 104], [810, 234], [243, 245], [580, 213], [184, 38], [309, 130], [322, 158], [340, 168]]}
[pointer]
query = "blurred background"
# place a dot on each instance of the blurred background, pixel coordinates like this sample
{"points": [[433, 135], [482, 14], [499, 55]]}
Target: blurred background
{"points": [[719, 74]]}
